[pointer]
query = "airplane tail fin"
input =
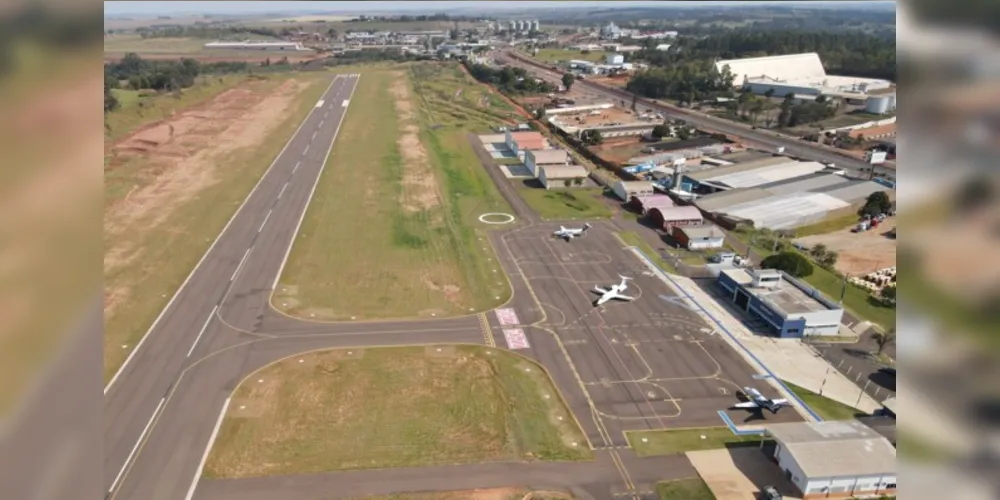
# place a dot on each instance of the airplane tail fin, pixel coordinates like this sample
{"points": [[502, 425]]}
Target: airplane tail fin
{"points": [[586, 226]]}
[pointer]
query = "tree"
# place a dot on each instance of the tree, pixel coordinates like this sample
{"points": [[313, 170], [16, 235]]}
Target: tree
{"points": [[592, 137], [884, 339], [660, 131], [683, 133], [332, 33], [818, 251], [792, 263], [889, 293], [877, 203], [567, 80], [568, 182], [578, 181], [769, 93], [829, 259]]}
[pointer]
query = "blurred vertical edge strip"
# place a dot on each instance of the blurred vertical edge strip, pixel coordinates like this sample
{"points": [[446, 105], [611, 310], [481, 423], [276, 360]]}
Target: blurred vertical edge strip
{"points": [[51, 324]]}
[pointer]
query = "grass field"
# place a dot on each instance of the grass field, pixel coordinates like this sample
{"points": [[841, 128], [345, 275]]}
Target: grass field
{"points": [[635, 240], [140, 107], [139, 45], [161, 254], [828, 225], [480, 494], [684, 489], [564, 55], [824, 407], [393, 407], [405, 183], [562, 204], [671, 442]]}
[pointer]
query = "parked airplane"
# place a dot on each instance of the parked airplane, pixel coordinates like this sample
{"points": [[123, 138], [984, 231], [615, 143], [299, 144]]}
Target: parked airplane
{"points": [[615, 292], [569, 233], [756, 403]]}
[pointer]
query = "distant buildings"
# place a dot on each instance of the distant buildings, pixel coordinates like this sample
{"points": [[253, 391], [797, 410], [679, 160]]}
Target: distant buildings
{"points": [[799, 74], [257, 45]]}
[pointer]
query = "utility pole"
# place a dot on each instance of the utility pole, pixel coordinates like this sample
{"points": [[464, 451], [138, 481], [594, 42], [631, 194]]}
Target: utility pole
{"points": [[823, 384]]}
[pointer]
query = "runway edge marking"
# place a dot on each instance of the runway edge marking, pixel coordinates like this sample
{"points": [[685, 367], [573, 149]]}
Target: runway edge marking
{"points": [[302, 217], [487, 331], [208, 449], [212, 246]]}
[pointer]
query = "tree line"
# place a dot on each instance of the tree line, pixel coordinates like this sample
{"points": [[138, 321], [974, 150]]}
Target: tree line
{"points": [[686, 80], [509, 80]]}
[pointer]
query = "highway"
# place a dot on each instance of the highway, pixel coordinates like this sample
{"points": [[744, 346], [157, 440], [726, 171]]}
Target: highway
{"points": [[757, 137]]}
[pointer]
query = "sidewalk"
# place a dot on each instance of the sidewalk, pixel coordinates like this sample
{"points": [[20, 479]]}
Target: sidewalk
{"points": [[786, 359]]}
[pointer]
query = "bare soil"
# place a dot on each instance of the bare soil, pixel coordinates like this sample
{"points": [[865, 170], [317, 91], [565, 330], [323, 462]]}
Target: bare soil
{"points": [[860, 253], [180, 157], [420, 188]]}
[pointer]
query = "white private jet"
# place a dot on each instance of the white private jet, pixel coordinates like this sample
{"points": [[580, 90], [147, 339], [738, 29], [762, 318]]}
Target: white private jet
{"points": [[615, 292], [756, 403], [570, 233]]}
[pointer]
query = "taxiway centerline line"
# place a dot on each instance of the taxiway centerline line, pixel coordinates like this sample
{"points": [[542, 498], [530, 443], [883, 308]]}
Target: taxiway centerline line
{"points": [[202, 332], [283, 188], [242, 261], [128, 460]]}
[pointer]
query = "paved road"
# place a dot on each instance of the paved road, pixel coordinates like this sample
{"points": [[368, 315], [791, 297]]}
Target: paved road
{"points": [[163, 408], [771, 140]]}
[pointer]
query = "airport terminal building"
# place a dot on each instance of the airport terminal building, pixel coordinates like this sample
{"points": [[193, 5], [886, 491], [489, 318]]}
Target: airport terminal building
{"points": [[788, 306]]}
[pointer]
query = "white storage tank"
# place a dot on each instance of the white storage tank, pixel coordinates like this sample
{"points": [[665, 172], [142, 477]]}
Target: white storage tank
{"points": [[877, 105], [615, 59]]}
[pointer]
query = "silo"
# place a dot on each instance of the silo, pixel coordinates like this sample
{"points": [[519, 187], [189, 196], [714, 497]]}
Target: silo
{"points": [[892, 102], [877, 105]]}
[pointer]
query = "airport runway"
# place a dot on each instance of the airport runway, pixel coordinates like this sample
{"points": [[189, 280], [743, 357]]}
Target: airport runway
{"points": [[647, 364]]}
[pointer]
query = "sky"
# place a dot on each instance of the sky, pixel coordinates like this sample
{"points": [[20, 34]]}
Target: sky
{"points": [[238, 7]]}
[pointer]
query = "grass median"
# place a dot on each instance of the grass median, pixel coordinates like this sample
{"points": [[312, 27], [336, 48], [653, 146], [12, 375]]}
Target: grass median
{"points": [[565, 204], [684, 489], [393, 407], [825, 407], [672, 442]]}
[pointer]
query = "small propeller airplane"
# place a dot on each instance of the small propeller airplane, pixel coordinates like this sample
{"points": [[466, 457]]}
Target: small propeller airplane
{"points": [[570, 233], [615, 292], [756, 403]]}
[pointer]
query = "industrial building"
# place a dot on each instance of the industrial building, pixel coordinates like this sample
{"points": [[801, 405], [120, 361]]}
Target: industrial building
{"points": [[786, 305], [524, 141], [625, 190], [643, 204], [835, 459], [556, 176], [703, 237], [535, 160], [257, 45], [667, 218], [784, 202], [799, 74]]}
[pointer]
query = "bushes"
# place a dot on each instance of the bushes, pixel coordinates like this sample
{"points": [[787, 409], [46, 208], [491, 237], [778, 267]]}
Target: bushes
{"points": [[792, 263]]}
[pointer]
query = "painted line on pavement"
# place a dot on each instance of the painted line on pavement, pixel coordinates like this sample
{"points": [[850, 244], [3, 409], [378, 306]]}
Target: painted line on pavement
{"points": [[283, 190], [114, 484], [209, 251], [296, 166], [312, 192], [202, 332], [208, 449], [268, 216], [306, 150], [242, 261]]}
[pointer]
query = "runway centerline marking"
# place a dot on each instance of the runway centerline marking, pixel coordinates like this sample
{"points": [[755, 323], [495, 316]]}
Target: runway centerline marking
{"points": [[283, 190], [314, 136], [306, 150], [202, 332], [128, 460], [321, 122], [268, 216], [296, 167], [242, 261]]}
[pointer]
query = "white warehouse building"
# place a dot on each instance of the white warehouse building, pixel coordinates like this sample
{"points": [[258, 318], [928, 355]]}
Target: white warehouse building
{"points": [[799, 74], [832, 459], [256, 45]]}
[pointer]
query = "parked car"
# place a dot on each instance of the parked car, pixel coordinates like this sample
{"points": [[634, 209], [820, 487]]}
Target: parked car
{"points": [[769, 493]]}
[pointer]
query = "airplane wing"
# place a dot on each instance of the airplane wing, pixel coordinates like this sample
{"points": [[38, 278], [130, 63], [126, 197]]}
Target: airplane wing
{"points": [[600, 290], [623, 297], [746, 405]]}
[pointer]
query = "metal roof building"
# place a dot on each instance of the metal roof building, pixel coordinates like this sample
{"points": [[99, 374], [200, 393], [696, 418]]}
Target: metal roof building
{"points": [[786, 210], [835, 459], [764, 175]]}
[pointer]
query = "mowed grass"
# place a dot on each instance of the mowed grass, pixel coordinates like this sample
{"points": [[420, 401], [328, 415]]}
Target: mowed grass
{"points": [[169, 251], [564, 55], [570, 203], [685, 489], [480, 494], [826, 408], [363, 250], [635, 240], [139, 45], [393, 407], [827, 225], [672, 442], [142, 107]]}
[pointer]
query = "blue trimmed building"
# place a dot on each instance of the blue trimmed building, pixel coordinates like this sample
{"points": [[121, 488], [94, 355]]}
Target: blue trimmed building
{"points": [[788, 306]]}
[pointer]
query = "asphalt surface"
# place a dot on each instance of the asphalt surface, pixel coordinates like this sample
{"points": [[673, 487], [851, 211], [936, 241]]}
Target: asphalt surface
{"points": [[793, 147], [647, 364]]}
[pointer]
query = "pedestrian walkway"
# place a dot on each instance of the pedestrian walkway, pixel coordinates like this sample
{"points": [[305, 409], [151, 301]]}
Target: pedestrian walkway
{"points": [[788, 359]]}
